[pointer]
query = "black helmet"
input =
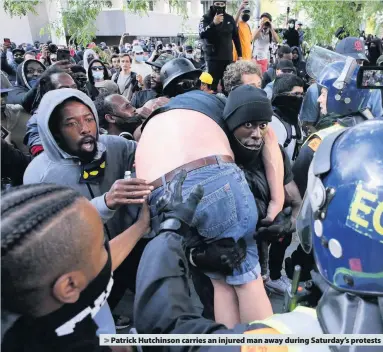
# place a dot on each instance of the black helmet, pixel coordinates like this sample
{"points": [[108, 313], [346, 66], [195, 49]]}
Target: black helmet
{"points": [[176, 68]]}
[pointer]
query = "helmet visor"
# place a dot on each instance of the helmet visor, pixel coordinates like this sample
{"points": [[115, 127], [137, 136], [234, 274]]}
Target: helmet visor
{"points": [[319, 58], [304, 223]]}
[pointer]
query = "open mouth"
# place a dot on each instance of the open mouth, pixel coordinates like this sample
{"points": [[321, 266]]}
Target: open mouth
{"points": [[88, 144], [254, 146]]}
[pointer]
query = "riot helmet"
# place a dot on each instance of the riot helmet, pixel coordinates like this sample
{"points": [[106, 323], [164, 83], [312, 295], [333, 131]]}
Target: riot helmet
{"points": [[341, 217], [179, 76]]}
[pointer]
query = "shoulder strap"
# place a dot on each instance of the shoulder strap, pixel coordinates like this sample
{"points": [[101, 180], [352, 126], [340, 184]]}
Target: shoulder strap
{"points": [[288, 128], [116, 77]]}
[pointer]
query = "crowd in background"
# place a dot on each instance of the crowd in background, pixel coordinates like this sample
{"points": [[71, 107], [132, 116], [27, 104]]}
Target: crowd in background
{"points": [[114, 90]]}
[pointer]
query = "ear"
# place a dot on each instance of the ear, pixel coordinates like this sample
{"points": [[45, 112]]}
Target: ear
{"points": [[110, 118], [68, 287]]}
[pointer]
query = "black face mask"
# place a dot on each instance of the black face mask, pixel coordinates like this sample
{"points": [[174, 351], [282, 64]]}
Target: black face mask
{"points": [[289, 106], [19, 60], [245, 17], [129, 125], [242, 154], [219, 9], [70, 325]]}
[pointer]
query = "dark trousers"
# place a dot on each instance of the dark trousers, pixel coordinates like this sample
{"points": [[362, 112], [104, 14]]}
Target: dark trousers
{"points": [[216, 68], [273, 257], [125, 275]]}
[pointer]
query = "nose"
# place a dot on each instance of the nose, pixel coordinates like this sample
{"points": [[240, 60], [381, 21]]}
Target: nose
{"points": [[85, 129], [256, 133]]}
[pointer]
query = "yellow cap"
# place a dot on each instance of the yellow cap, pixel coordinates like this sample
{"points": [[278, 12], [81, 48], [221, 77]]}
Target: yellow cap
{"points": [[206, 78]]}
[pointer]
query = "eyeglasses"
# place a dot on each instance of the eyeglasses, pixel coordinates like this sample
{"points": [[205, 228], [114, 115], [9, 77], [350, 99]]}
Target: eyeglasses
{"points": [[32, 71], [287, 71], [187, 84], [97, 68]]}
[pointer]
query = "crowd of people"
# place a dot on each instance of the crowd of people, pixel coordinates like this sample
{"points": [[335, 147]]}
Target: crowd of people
{"points": [[181, 174]]}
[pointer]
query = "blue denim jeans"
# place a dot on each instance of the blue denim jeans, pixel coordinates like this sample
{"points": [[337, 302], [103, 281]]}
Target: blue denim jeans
{"points": [[227, 210]]}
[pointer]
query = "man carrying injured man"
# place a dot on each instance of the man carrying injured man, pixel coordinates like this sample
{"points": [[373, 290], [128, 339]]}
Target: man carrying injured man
{"points": [[189, 133]]}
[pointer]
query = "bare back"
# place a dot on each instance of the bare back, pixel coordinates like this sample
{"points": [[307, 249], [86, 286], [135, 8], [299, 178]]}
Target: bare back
{"points": [[177, 137]]}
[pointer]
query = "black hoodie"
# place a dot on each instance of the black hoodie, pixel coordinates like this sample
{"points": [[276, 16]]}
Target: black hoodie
{"points": [[93, 91], [19, 94]]}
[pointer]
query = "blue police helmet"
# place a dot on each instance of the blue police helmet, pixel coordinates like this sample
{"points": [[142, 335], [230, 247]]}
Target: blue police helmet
{"points": [[350, 99], [341, 217]]}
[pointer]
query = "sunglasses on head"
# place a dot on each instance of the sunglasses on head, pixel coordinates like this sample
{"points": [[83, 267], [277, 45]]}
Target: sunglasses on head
{"points": [[97, 68]]}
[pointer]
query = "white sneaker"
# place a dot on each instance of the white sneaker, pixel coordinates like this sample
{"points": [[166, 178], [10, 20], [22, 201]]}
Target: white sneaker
{"points": [[279, 286]]}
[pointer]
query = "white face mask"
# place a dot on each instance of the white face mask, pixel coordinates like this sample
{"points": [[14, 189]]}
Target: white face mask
{"points": [[189, 56], [98, 75]]}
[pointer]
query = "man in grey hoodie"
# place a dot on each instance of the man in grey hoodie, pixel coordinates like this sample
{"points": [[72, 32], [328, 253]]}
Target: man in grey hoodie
{"points": [[75, 155]]}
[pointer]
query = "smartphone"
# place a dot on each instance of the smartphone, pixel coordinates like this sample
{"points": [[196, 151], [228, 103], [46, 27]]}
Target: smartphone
{"points": [[7, 41], [4, 132], [219, 11], [63, 54]]}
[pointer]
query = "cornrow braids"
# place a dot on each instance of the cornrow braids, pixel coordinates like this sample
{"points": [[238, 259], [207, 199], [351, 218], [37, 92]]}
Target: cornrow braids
{"points": [[25, 208]]}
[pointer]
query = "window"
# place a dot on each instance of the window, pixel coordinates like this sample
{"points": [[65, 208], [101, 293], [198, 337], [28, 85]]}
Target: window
{"points": [[151, 6], [206, 5]]}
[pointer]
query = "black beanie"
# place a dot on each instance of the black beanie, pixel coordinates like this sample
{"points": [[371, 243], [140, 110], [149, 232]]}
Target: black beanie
{"points": [[245, 104]]}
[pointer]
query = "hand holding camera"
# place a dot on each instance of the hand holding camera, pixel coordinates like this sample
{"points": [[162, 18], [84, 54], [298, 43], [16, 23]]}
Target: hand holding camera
{"points": [[218, 18]]}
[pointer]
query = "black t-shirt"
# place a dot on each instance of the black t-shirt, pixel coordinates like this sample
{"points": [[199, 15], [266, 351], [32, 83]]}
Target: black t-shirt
{"points": [[256, 178]]}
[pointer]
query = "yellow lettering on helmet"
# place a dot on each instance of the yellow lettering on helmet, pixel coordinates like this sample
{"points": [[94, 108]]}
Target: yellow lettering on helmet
{"points": [[358, 205], [377, 219], [363, 215]]}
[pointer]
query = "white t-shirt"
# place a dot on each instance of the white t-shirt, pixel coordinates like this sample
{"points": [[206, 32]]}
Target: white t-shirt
{"points": [[141, 69], [261, 47], [122, 81], [280, 130]]}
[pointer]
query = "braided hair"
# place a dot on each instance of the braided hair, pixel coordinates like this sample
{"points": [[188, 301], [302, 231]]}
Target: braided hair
{"points": [[38, 241]]}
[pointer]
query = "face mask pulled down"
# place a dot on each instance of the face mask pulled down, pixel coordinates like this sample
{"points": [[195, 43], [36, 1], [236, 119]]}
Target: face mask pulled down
{"points": [[244, 155]]}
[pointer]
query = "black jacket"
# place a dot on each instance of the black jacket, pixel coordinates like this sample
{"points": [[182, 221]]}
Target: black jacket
{"points": [[218, 40], [141, 97], [292, 37], [13, 163]]}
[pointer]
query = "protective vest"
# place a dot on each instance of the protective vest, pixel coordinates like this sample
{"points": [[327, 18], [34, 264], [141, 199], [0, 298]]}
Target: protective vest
{"points": [[301, 321], [316, 138]]}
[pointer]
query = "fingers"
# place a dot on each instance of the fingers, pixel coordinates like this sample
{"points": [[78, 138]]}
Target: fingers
{"points": [[175, 186], [195, 197], [127, 201]]}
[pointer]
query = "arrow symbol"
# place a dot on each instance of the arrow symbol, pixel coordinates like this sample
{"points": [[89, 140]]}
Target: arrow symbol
{"points": [[106, 340]]}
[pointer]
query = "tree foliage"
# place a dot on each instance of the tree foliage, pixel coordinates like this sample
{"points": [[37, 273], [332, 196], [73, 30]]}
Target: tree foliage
{"points": [[327, 16], [19, 8]]}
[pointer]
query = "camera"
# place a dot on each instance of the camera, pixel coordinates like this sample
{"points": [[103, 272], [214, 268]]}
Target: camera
{"points": [[246, 9], [52, 48], [266, 24]]}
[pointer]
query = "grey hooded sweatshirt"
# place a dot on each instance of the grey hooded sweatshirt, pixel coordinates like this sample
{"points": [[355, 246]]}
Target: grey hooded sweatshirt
{"points": [[56, 166]]}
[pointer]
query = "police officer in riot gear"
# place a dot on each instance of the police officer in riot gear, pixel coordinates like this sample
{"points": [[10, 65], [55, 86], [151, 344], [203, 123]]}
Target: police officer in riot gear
{"points": [[341, 103], [219, 30], [340, 220]]}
